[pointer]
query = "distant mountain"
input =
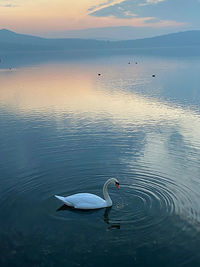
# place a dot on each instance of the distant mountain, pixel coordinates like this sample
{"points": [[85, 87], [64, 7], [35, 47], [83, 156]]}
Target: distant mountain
{"points": [[180, 39], [115, 33], [14, 42], [12, 37]]}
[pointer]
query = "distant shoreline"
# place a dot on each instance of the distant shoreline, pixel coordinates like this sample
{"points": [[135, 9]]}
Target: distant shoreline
{"points": [[26, 58], [173, 50]]}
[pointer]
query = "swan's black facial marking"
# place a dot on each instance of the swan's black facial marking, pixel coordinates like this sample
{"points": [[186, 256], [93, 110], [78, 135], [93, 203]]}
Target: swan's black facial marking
{"points": [[117, 185]]}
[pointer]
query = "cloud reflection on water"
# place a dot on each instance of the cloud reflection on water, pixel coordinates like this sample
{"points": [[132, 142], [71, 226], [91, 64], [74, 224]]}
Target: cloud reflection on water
{"points": [[63, 89]]}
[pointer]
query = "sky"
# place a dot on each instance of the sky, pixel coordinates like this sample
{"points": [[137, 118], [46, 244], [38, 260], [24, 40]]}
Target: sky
{"points": [[59, 18]]}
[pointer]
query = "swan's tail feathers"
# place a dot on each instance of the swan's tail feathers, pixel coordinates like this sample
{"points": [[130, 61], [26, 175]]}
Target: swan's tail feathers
{"points": [[64, 199], [60, 198]]}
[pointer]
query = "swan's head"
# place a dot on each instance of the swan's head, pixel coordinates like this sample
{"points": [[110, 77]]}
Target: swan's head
{"points": [[116, 182], [117, 185]]}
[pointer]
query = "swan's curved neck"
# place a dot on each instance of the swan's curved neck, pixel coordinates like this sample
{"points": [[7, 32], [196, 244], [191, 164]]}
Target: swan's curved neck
{"points": [[105, 192]]}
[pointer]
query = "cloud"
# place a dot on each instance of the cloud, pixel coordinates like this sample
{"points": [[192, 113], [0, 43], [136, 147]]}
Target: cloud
{"points": [[135, 21], [141, 9], [154, 1], [106, 4], [150, 2], [129, 14], [8, 5]]}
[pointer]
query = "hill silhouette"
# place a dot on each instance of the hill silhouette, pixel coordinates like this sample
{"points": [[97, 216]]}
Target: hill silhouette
{"points": [[14, 42]]}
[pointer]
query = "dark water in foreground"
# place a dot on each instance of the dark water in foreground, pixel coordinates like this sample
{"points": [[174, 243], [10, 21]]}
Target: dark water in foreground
{"points": [[65, 130]]}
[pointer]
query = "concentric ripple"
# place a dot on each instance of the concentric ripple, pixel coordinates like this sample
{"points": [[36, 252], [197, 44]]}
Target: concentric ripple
{"points": [[150, 201]]}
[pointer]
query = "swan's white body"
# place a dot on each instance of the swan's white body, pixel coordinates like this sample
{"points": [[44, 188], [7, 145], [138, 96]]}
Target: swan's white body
{"points": [[90, 201]]}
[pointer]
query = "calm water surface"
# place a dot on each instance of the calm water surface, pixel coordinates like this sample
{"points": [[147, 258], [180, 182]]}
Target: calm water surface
{"points": [[65, 130]]}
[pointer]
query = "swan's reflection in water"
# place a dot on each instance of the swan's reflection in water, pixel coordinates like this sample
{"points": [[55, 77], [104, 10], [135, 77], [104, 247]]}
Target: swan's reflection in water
{"points": [[106, 220], [65, 207], [106, 215]]}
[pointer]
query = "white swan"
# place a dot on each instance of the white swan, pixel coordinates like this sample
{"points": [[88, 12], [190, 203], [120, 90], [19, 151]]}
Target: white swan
{"points": [[87, 201]]}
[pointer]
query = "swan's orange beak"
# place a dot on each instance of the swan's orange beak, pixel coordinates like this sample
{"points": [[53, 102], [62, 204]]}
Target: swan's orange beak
{"points": [[117, 185]]}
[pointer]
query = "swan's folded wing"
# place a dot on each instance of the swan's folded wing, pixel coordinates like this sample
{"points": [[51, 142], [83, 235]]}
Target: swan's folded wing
{"points": [[86, 201]]}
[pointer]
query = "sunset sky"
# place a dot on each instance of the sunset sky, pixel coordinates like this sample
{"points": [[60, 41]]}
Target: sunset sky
{"points": [[47, 17]]}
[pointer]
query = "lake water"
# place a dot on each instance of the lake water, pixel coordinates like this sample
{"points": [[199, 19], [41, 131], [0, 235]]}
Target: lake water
{"points": [[64, 129]]}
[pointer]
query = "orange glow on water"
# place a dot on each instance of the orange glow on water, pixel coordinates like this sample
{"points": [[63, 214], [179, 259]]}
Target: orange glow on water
{"points": [[77, 89]]}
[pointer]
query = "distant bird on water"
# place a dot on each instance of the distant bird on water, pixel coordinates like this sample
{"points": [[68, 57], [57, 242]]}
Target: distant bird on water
{"points": [[153, 75], [99, 74]]}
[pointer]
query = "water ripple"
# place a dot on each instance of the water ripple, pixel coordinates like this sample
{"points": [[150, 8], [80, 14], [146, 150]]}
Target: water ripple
{"points": [[151, 200]]}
